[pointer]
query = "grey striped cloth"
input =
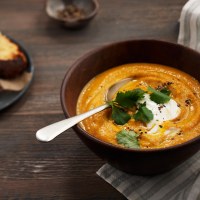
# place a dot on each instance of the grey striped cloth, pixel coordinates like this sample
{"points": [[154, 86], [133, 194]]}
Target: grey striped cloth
{"points": [[189, 33], [181, 183]]}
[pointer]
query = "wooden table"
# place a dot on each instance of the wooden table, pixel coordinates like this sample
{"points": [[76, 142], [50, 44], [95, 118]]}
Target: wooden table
{"points": [[64, 168]]}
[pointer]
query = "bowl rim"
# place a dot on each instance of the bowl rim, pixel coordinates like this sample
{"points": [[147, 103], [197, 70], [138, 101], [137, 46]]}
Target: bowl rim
{"points": [[91, 137], [87, 17]]}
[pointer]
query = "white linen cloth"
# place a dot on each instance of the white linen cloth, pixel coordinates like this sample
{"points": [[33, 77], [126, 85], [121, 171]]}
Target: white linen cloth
{"points": [[181, 183], [189, 33]]}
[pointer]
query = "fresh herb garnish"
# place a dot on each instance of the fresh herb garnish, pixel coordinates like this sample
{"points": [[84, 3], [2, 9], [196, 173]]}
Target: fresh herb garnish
{"points": [[125, 101], [128, 139], [158, 96], [122, 102], [143, 114], [119, 115], [129, 98], [165, 91]]}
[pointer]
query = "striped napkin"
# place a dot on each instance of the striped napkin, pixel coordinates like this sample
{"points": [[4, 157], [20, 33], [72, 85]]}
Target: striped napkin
{"points": [[189, 33], [181, 183]]}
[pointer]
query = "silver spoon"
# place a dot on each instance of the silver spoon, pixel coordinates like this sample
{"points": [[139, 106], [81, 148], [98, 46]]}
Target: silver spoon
{"points": [[48, 133]]}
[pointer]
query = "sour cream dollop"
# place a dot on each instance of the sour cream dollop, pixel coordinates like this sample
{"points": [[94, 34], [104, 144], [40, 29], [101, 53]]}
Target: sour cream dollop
{"points": [[161, 113]]}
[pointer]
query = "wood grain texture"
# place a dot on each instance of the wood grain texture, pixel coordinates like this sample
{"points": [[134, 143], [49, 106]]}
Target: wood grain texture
{"points": [[64, 168]]}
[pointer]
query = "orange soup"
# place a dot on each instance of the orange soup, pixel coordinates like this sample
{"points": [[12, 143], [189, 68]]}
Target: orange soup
{"points": [[165, 110]]}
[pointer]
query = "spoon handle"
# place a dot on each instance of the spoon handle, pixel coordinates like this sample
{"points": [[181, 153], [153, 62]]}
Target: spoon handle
{"points": [[48, 133]]}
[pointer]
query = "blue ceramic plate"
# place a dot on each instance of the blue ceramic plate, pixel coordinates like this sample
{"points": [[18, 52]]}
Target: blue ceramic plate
{"points": [[7, 98]]}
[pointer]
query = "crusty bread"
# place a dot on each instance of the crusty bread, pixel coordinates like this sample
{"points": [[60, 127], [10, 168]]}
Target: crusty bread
{"points": [[12, 60]]}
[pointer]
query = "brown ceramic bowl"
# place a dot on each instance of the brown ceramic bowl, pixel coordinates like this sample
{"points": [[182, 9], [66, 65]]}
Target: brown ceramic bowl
{"points": [[141, 162], [73, 14]]}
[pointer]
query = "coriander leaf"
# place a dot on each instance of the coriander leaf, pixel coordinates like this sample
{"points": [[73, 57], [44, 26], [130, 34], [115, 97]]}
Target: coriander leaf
{"points": [[129, 98], [128, 139], [143, 114], [165, 91], [119, 116], [158, 96]]}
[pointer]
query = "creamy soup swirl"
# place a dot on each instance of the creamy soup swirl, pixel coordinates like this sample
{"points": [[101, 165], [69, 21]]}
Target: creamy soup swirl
{"points": [[185, 92]]}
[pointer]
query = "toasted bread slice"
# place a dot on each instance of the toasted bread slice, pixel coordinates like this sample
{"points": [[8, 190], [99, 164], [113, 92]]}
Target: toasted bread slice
{"points": [[12, 60]]}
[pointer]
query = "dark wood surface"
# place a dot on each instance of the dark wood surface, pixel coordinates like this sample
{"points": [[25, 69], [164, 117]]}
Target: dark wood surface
{"points": [[64, 168]]}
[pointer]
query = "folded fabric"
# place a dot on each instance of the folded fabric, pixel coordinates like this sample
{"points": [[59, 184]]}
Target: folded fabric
{"points": [[181, 183], [189, 33]]}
